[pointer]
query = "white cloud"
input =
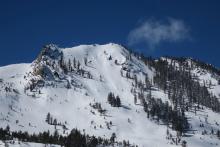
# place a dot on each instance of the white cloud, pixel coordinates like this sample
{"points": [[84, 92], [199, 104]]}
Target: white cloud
{"points": [[155, 32]]}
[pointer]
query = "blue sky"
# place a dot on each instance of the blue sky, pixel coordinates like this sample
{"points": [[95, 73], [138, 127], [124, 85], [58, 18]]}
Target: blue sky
{"points": [[154, 27]]}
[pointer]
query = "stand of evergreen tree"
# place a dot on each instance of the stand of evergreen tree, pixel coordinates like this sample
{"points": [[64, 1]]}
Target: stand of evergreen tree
{"points": [[114, 101], [74, 139], [183, 89], [158, 110]]}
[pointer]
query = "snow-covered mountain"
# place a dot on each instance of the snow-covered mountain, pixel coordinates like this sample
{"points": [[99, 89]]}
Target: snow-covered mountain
{"points": [[71, 86]]}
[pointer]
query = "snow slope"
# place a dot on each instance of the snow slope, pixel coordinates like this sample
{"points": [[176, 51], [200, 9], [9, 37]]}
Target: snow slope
{"points": [[69, 97], [12, 143]]}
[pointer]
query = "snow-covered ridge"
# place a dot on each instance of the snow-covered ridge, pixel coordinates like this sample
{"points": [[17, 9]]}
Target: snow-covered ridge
{"points": [[69, 82]]}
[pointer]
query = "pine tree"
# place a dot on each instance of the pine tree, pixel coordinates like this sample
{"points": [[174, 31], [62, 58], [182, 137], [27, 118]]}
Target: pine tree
{"points": [[69, 65], [118, 101], [135, 99], [85, 61], [48, 118], [112, 139], [218, 134], [74, 62], [110, 98], [78, 65], [55, 122]]}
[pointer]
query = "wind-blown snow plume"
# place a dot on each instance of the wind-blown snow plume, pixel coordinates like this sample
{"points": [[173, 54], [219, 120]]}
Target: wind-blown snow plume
{"points": [[154, 32]]}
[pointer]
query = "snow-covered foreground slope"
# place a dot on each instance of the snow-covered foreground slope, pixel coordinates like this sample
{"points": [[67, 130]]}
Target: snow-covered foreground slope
{"points": [[28, 92], [12, 143]]}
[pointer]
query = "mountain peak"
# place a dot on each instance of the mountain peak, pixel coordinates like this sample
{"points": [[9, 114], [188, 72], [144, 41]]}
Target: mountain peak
{"points": [[52, 51], [73, 86]]}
